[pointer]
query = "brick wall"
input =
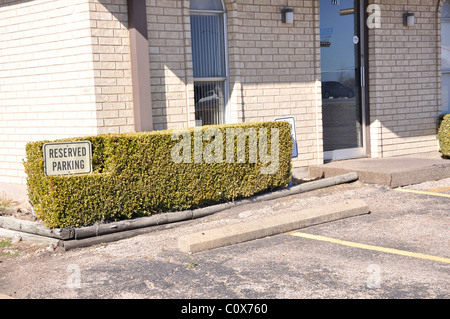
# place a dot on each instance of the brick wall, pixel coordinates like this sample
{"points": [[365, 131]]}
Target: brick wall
{"points": [[275, 71], [170, 64], [65, 71], [112, 66], [404, 79], [46, 79], [274, 68]]}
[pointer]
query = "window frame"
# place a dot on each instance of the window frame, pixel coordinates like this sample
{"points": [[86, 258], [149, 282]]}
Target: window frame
{"points": [[224, 79], [446, 71]]}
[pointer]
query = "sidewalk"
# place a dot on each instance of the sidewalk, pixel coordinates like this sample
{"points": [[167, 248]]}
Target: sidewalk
{"points": [[393, 172]]}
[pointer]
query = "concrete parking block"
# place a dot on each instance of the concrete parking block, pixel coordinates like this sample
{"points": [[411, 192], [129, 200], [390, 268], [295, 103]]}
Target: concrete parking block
{"points": [[234, 234]]}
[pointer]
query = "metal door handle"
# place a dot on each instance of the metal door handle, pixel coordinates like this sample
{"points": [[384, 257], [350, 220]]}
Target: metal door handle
{"points": [[363, 76]]}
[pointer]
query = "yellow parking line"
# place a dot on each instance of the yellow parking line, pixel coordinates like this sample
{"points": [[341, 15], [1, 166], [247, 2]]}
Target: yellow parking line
{"points": [[370, 247], [438, 190], [421, 192]]}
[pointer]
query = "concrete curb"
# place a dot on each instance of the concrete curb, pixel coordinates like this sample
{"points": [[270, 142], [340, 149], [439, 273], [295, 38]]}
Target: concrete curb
{"points": [[234, 234], [393, 172]]}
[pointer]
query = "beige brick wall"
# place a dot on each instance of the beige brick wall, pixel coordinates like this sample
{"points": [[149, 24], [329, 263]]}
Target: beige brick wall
{"points": [[404, 79], [170, 64], [275, 71], [274, 68], [112, 66], [46, 77], [64, 71]]}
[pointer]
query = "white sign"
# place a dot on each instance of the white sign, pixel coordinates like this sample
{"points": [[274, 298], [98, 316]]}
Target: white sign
{"points": [[67, 158], [291, 121]]}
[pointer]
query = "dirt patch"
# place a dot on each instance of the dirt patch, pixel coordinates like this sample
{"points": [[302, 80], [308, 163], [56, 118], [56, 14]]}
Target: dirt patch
{"points": [[15, 249]]}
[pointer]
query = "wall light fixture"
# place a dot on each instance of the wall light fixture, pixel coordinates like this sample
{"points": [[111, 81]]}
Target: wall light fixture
{"points": [[287, 15], [408, 19]]}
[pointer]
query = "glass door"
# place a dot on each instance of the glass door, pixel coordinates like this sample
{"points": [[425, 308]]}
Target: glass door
{"points": [[445, 36], [343, 79]]}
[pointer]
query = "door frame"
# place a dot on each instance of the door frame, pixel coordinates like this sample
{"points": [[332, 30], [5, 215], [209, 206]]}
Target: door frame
{"points": [[363, 151]]}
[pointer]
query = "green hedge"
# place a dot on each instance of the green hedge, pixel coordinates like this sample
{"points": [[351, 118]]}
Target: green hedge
{"points": [[444, 135], [134, 175]]}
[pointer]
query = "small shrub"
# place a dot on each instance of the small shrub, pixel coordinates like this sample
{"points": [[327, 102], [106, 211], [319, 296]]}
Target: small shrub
{"points": [[444, 135], [134, 175]]}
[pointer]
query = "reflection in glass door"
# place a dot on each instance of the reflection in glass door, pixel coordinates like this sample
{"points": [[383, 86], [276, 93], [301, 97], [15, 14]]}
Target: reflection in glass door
{"points": [[342, 79], [445, 36]]}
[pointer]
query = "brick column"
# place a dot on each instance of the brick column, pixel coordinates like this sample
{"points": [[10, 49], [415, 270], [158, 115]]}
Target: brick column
{"points": [[137, 20]]}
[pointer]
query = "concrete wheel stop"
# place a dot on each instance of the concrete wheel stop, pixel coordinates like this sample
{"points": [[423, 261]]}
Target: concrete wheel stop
{"points": [[274, 225]]}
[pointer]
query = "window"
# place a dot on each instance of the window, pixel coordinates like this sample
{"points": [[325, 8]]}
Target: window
{"points": [[209, 61], [445, 36]]}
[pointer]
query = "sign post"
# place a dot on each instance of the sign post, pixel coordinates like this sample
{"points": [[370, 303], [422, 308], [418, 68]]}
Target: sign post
{"points": [[70, 158]]}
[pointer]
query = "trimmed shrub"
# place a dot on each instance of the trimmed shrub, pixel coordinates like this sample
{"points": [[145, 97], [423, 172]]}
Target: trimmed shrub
{"points": [[444, 135], [140, 174]]}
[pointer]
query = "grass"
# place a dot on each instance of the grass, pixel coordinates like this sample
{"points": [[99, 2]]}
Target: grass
{"points": [[5, 243], [10, 254], [5, 203]]}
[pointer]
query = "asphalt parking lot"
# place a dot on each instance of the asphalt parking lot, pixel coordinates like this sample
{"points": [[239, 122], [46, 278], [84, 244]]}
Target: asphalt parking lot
{"points": [[398, 251]]}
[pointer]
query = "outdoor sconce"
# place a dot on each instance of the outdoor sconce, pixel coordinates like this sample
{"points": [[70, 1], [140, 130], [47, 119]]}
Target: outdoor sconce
{"points": [[287, 15], [408, 19]]}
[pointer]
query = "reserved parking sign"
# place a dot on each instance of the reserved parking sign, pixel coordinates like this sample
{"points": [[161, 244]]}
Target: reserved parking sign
{"points": [[67, 158]]}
